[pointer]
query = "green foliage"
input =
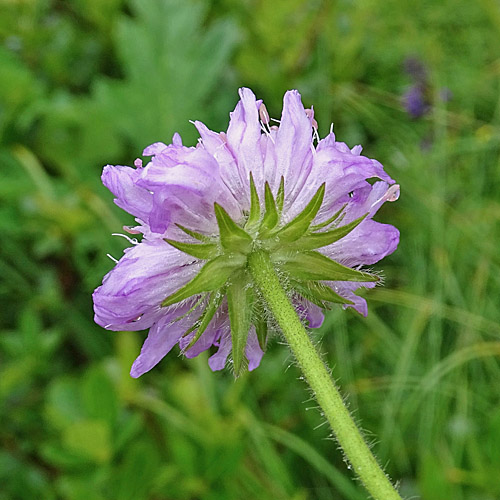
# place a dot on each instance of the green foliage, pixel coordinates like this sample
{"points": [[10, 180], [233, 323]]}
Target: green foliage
{"points": [[90, 82]]}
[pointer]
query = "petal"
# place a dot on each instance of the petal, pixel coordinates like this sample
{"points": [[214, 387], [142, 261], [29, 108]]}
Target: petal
{"points": [[177, 139], [350, 161], [192, 168], [243, 140], [253, 351], [218, 360], [346, 289], [367, 199], [309, 312], [216, 145], [131, 293], [202, 344], [313, 314], [185, 183], [219, 323], [367, 244], [154, 149], [343, 170], [161, 338], [122, 182], [293, 145]]}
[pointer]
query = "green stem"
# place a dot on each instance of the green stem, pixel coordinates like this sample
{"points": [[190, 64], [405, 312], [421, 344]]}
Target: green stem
{"points": [[356, 450]]}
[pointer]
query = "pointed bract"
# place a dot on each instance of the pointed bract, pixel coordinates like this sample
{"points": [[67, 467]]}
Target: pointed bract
{"points": [[202, 251], [211, 276], [271, 215], [254, 215], [239, 301], [232, 237], [312, 241], [298, 226], [316, 266]]}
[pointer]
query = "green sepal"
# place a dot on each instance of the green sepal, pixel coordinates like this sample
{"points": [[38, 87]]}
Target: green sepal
{"points": [[211, 276], [191, 310], [254, 216], [318, 294], [318, 240], [205, 318], [239, 301], [329, 221], [205, 251], [271, 216], [232, 237], [316, 266], [260, 322], [280, 195], [300, 224], [194, 234]]}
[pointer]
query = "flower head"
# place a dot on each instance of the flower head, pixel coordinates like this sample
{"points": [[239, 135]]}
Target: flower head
{"points": [[203, 210], [415, 101]]}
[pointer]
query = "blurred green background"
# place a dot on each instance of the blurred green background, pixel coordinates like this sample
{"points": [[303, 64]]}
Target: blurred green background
{"points": [[89, 82]]}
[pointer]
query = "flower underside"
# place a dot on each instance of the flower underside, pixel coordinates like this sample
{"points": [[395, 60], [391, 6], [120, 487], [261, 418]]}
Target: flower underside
{"points": [[210, 216], [291, 247]]}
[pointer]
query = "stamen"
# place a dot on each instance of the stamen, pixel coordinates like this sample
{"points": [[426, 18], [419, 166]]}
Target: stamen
{"points": [[130, 240], [264, 115], [316, 135], [112, 258], [131, 230], [392, 194], [310, 115]]}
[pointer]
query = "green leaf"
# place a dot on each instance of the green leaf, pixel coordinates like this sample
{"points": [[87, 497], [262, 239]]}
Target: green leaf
{"points": [[280, 195], [180, 34], [239, 301], [318, 240], [254, 216], [316, 266], [318, 293], [138, 469], [298, 226], [210, 277], [194, 234], [204, 320], [204, 251], [99, 396], [271, 216], [89, 438], [232, 236]]}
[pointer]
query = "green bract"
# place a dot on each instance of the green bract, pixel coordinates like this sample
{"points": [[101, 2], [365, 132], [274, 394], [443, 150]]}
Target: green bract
{"points": [[291, 248]]}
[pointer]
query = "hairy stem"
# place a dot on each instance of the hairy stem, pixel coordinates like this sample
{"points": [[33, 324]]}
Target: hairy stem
{"points": [[348, 435]]}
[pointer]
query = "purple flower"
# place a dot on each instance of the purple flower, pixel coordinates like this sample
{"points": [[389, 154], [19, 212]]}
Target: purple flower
{"points": [[202, 210], [415, 101]]}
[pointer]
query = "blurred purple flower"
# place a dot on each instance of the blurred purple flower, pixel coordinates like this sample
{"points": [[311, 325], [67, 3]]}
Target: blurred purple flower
{"points": [[415, 102], [174, 195]]}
